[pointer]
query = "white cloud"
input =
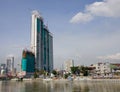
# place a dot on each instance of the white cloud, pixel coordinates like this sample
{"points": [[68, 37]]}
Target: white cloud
{"points": [[110, 57], [81, 17], [106, 8]]}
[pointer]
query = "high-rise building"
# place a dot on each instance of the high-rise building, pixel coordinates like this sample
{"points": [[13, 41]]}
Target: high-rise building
{"points": [[10, 64], [41, 43]]}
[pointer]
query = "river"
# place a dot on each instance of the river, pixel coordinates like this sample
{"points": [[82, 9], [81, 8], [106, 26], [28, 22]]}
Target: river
{"points": [[60, 86]]}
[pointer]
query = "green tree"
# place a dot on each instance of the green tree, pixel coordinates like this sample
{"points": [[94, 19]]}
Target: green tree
{"points": [[54, 72], [42, 72], [84, 70], [81, 69], [36, 74], [75, 70]]}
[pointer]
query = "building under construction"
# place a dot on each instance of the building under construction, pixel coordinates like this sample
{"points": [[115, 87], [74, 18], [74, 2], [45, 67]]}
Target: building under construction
{"points": [[28, 61]]}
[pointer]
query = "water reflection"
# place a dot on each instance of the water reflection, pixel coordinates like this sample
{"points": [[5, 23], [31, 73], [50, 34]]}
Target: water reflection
{"points": [[58, 86]]}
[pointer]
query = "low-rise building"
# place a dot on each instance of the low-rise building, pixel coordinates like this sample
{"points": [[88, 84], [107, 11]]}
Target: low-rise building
{"points": [[115, 68], [101, 68], [3, 69]]}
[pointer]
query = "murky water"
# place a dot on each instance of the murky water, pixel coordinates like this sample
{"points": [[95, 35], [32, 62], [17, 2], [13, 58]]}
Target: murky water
{"points": [[59, 86]]}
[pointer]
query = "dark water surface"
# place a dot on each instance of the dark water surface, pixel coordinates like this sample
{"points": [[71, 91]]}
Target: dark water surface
{"points": [[60, 86]]}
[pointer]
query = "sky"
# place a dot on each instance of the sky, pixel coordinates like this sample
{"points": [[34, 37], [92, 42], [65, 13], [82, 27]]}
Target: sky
{"points": [[87, 31]]}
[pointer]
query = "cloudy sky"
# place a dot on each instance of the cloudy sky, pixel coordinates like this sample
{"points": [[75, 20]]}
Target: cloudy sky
{"points": [[87, 31]]}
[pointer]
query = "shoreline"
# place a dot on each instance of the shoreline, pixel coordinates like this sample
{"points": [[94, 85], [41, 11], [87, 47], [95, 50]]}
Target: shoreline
{"points": [[63, 80]]}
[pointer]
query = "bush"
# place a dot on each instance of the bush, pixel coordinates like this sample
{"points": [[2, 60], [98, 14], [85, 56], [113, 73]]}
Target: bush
{"points": [[66, 76]]}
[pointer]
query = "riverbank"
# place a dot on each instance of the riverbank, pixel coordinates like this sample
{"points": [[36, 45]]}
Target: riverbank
{"points": [[65, 80]]}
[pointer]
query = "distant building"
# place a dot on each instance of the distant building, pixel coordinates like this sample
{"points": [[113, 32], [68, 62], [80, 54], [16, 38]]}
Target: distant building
{"points": [[115, 68], [3, 66], [28, 62], [10, 64], [3, 69], [68, 65], [41, 43], [102, 68]]}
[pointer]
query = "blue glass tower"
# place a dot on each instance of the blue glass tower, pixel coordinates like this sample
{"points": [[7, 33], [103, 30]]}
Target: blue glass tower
{"points": [[41, 43]]}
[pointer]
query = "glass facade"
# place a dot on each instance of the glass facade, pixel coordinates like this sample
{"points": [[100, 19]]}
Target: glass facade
{"points": [[45, 49], [41, 44], [28, 62]]}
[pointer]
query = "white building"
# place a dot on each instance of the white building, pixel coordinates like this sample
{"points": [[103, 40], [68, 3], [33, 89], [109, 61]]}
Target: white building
{"points": [[10, 64], [102, 68], [68, 65]]}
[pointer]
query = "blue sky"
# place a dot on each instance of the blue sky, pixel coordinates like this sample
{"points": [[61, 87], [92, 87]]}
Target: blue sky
{"points": [[87, 31]]}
